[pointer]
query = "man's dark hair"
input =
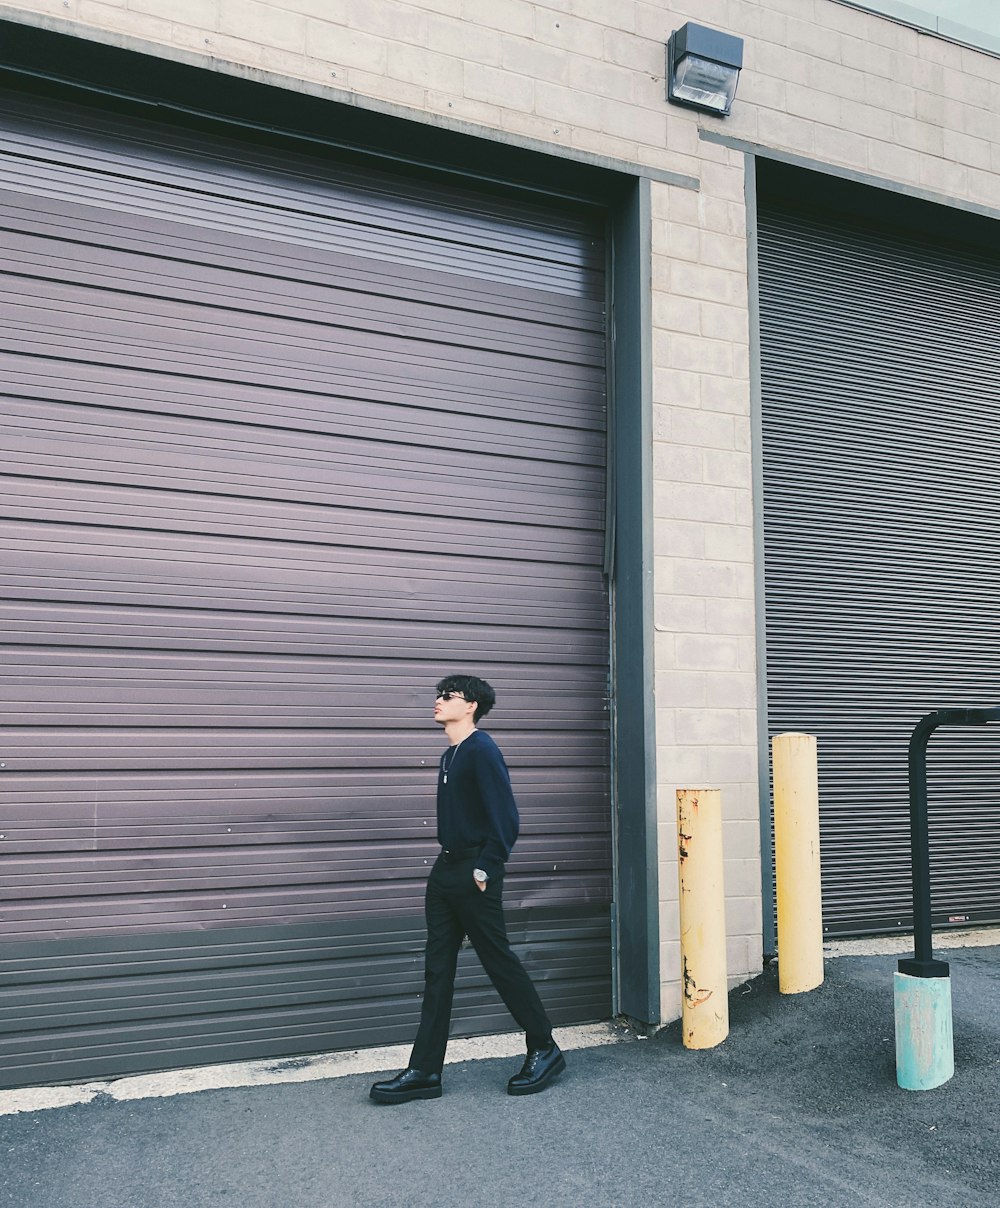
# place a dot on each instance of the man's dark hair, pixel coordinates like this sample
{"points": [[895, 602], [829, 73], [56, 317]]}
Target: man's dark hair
{"points": [[472, 688]]}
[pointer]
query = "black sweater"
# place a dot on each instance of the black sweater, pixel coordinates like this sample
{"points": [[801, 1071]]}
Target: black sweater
{"points": [[476, 805]]}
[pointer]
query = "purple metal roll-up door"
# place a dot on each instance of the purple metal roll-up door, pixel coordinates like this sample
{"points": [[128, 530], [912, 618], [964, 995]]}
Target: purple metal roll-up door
{"points": [[284, 441]]}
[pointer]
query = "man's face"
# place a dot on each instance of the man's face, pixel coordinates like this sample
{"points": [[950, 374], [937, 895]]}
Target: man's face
{"points": [[452, 706]]}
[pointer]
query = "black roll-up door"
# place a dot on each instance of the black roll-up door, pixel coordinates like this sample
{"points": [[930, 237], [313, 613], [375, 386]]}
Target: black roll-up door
{"points": [[880, 366], [285, 440]]}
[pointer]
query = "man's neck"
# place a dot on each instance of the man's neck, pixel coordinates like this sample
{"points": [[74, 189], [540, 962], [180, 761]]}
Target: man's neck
{"points": [[458, 731]]}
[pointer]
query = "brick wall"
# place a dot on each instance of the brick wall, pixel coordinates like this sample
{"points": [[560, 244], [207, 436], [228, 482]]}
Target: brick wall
{"points": [[821, 80], [706, 686]]}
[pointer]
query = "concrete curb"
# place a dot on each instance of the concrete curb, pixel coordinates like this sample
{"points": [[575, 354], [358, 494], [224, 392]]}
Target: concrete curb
{"points": [[294, 1069]]}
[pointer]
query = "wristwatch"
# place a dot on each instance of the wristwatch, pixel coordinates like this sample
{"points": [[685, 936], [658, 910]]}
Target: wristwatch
{"points": [[480, 876]]}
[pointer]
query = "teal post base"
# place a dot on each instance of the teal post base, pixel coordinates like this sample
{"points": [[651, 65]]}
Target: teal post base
{"points": [[925, 1047]]}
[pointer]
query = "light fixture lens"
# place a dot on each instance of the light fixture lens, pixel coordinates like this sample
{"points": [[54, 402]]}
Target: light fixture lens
{"points": [[704, 83]]}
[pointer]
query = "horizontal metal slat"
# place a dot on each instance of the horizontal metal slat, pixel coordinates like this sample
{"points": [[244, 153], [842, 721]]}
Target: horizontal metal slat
{"points": [[153, 626], [177, 186], [196, 254], [49, 270], [172, 912]]}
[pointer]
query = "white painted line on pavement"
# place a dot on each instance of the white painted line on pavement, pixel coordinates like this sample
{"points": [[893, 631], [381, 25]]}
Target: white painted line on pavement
{"points": [[889, 945], [292, 1069]]}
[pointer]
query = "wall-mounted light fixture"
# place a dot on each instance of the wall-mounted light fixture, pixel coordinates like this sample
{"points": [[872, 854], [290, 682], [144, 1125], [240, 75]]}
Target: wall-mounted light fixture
{"points": [[702, 68]]}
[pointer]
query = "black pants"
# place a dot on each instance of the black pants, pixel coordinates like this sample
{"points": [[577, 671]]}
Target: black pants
{"points": [[455, 908]]}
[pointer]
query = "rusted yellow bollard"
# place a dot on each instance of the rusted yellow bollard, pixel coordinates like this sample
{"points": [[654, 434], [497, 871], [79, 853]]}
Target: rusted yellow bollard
{"points": [[796, 862], [705, 1001]]}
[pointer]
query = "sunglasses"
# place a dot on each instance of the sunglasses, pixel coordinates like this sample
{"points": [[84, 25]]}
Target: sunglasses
{"points": [[448, 696]]}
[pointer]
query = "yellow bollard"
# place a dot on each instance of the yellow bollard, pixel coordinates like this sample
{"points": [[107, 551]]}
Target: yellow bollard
{"points": [[705, 1001], [796, 862]]}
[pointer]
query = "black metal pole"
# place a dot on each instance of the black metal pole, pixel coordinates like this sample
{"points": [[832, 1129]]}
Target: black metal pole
{"points": [[923, 964]]}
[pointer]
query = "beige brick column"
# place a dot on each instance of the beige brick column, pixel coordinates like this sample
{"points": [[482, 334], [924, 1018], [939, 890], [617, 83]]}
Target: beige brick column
{"points": [[703, 541]]}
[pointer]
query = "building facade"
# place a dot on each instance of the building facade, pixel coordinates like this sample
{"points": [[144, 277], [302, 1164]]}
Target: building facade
{"points": [[287, 281]]}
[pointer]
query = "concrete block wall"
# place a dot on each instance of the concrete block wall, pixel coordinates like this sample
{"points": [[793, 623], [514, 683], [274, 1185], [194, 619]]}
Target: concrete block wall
{"points": [[822, 80], [706, 684]]}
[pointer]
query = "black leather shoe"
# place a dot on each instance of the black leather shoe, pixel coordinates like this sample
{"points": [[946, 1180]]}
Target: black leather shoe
{"points": [[540, 1067], [410, 1084]]}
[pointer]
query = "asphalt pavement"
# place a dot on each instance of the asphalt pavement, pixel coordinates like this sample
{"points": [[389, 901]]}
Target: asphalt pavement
{"points": [[798, 1107]]}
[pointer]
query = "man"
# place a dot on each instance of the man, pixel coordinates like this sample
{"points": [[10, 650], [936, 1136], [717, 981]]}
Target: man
{"points": [[477, 826]]}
